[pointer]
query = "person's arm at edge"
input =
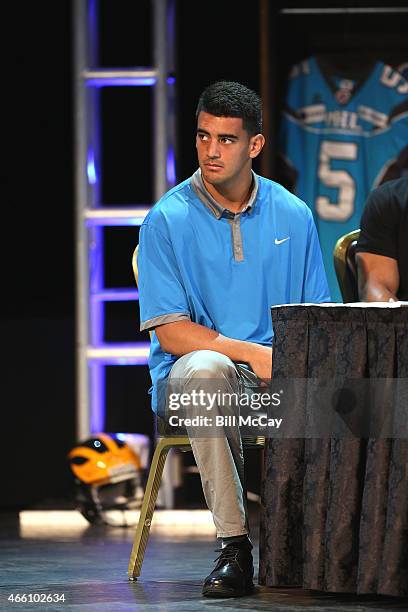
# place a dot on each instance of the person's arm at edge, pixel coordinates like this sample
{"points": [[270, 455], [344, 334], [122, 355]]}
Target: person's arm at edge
{"points": [[182, 337], [378, 277]]}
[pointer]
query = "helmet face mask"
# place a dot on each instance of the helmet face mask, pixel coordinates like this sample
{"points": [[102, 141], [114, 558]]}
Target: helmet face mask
{"points": [[108, 476]]}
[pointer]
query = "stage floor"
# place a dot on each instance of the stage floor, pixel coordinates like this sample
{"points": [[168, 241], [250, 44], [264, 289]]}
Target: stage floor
{"points": [[64, 556]]}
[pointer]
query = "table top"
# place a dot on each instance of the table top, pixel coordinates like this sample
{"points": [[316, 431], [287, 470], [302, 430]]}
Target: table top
{"points": [[348, 305]]}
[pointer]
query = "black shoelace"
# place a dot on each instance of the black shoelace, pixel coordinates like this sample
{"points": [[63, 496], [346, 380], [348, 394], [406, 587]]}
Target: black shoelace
{"points": [[228, 554]]}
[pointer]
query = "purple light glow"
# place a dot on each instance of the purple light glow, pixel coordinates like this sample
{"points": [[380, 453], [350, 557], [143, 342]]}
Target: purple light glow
{"points": [[125, 81], [121, 81], [113, 217], [124, 353], [123, 361], [119, 221], [90, 168], [171, 167], [116, 295], [135, 221]]}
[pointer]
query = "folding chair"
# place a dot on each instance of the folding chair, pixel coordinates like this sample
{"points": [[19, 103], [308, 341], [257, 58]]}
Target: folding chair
{"points": [[344, 255]]}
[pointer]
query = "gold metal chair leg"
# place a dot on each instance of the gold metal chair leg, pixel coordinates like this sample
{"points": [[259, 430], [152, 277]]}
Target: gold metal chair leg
{"points": [[149, 502]]}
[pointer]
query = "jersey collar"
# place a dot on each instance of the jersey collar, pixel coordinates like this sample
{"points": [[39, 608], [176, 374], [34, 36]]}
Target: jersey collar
{"points": [[207, 199]]}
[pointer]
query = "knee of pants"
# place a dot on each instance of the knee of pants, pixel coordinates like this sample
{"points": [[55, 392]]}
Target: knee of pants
{"points": [[206, 376], [204, 364]]}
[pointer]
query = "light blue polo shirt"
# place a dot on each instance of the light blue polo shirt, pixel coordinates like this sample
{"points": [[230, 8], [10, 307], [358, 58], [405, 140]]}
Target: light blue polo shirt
{"points": [[200, 262]]}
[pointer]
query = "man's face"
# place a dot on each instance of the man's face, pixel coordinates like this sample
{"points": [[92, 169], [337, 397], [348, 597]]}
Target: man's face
{"points": [[224, 148]]}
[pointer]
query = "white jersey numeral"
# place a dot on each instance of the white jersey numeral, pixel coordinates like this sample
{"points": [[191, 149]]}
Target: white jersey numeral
{"points": [[339, 179]]}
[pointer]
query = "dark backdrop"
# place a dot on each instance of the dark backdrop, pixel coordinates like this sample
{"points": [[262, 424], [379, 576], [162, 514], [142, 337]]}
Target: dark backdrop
{"points": [[216, 39], [38, 399]]}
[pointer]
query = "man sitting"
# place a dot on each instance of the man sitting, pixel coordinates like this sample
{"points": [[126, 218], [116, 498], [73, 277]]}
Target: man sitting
{"points": [[216, 252], [382, 248]]}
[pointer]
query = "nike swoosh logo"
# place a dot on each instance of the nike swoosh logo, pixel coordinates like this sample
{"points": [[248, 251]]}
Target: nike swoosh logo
{"points": [[280, 241]]}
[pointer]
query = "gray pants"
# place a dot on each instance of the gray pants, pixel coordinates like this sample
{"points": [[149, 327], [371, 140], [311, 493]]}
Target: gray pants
{"points": [[219, 458]]}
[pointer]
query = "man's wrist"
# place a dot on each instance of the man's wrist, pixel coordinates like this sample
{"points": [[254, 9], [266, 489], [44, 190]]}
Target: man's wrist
{"points": [[251, 349]]}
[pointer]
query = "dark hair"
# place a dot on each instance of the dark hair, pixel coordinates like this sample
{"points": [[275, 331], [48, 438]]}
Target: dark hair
{"points": [[231, 99]]}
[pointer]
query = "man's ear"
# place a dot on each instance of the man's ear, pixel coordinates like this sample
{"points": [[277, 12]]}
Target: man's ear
{"points": [[255, 145]]}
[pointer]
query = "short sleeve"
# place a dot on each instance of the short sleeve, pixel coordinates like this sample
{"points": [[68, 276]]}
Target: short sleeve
{"points": [[162, 298], [316, 289], [379, 224]]}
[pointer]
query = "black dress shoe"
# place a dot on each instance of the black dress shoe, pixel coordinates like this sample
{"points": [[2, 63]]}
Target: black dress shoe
{"points": [[232, 576]]}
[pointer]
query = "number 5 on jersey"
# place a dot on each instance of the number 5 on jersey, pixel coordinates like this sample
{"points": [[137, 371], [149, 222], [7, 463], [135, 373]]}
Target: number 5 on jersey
{"points": [[338, 179]]}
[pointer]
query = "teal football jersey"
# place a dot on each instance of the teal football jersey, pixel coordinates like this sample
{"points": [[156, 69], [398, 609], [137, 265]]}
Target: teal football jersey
{"points": [[341, 137]]}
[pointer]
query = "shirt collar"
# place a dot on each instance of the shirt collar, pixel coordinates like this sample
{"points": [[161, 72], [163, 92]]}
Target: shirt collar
{"points": [[212, 204]]}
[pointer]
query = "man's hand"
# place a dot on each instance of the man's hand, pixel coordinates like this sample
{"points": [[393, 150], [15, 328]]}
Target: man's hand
{"points": [[378, 278], [261, 361]]}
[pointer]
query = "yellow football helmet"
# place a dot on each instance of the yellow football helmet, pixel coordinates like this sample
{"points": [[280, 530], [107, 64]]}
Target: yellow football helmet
{"points": [[108, 476]]}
